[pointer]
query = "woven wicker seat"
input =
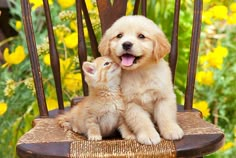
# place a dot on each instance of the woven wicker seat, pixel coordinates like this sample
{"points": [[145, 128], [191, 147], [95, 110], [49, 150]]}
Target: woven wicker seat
{"points": [[53, 140], [47, 139]]}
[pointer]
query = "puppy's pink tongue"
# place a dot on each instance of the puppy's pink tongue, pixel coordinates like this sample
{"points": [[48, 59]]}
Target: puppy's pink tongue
{"points": [[127, 60]]}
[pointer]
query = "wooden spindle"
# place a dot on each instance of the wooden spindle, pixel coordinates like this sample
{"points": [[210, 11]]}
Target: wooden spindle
{"points": [[54, 58], [136, 7], [35, 67], [92, 37], [82, 51], [174, 41], [196, 30], [107, 14], [144, 7]]}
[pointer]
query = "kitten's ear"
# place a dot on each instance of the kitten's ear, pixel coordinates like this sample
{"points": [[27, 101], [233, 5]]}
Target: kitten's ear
{"points": [[89, 68]]}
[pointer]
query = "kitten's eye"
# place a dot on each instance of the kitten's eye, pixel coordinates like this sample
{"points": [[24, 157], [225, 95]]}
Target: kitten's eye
{"points": [[119, 35], [106, 63], [141, 36]]}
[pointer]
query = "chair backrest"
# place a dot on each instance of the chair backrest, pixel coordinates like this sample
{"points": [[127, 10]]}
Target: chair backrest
{"points": [[108, 13]]}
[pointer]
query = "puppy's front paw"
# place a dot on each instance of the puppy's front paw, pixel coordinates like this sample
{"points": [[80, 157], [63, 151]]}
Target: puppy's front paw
{"points": [[75, 129], [94, 134], [129, 137], [66, 126], [148, 137], [94, 137], [172, 132]]}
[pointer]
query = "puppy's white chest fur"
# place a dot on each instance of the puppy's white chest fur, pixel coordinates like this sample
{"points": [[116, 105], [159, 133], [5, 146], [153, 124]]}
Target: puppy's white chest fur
{"points": [[146, 86]]}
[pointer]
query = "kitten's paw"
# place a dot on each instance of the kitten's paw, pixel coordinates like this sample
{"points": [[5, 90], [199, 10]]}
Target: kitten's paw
{"points": [[148, 138], [94, 137], [172, 132], [64, 124]]}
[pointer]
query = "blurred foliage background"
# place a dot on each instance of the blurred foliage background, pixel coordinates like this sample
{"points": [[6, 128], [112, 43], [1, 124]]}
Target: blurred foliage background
{"points": [[215, 90]]}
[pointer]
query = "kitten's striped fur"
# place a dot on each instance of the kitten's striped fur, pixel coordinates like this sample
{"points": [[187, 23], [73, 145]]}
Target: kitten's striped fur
{"points": [[99, 114]]}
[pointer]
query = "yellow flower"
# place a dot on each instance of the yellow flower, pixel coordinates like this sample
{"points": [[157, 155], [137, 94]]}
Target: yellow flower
{"points": [[67, 15], [221, 51], [61, 31], [233, 7], [60, 35], [71, 41], [15, 57], [73, 82], [73, 25], [205, 77], [38, 3], [9, 90], [203, 59], [29, 83], [206, 1], [66, 66], [43, 48], [129, 8], [215, 58], [66, 3], [18, 25], [203, 107], [219, 12], [51, 104], [207, 17], [227, 146], [3, 108], [46, 59], [86, 33], [232, 19], [89, 5]]}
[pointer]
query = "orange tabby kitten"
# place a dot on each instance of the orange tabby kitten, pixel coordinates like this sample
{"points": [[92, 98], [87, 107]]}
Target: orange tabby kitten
{"points": [[99, 114]]}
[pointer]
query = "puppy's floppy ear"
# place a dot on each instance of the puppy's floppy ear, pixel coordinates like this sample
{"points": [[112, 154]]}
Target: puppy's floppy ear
{"points": [[103, 46], [161, 46]]}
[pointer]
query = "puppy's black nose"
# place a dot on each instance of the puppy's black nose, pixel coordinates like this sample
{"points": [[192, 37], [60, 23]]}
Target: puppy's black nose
{"points": [[127, 45]]}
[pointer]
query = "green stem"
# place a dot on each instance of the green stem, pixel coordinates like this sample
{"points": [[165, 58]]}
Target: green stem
{"points": [[7, 40]]}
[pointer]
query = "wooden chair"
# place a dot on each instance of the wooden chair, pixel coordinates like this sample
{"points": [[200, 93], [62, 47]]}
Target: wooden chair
{"points": [[47, 139]]}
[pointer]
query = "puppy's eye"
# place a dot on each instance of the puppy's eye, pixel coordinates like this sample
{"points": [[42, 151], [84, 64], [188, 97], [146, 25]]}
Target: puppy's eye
{"points": [[141, 36], [106, 63], [119, 35]]}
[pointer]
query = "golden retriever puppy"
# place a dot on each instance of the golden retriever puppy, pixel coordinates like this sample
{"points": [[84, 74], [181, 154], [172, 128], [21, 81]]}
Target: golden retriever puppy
{"points": [[138, 46]]}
